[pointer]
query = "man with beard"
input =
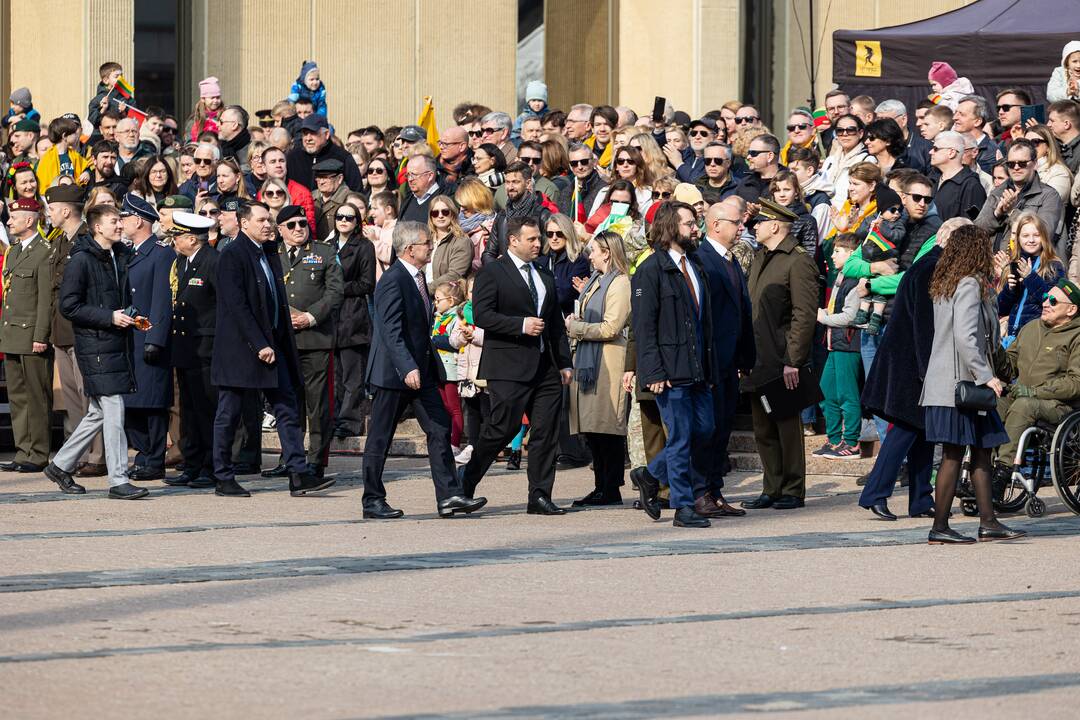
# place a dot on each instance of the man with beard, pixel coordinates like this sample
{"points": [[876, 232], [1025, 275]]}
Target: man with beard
{"points": [[234, 136], [103, 168], [130, 147], [671, 309], [521, 202], [576, 200]]}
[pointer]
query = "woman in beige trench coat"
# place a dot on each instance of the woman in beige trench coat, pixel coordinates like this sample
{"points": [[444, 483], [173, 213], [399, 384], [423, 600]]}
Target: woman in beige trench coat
{"points": [[598, 403]]}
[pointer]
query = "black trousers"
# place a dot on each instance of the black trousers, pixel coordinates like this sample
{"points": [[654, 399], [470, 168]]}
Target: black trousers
{"points": [[574, 447], [386, 409], [350, 392], [725, 397], [608, 459], [247, 442], [476, 409], [198, 403], [541, 399], [146, 430]]}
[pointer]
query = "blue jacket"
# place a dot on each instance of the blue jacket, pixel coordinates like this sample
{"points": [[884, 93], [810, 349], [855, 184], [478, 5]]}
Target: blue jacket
{"points": [[565, 272], [401, 340], [1022, 309], [151, 295], [31, 114], [732, 319]]}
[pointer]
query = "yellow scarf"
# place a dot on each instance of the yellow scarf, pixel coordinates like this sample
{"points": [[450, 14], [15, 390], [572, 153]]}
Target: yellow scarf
{"points": [[813, 142], [868, 211], [605, 156]]}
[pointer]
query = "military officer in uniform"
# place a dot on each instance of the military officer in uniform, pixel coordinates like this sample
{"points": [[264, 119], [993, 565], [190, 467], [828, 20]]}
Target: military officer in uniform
{"points": [[784, 299], [315, 288], [170, 205], [24, 336], [194, 318], [329, 195], [146, 411]]}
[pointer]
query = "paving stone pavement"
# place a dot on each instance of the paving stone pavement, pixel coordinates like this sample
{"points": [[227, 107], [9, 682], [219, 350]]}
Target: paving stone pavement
{"points": [[187, 605]]}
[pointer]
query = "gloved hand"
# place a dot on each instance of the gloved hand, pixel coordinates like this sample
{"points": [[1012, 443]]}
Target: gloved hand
{"points": [[1021, 391], [151, 354]]}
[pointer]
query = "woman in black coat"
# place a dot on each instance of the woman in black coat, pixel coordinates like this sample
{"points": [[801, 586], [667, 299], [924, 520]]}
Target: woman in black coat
{"points": [[352, 336]]}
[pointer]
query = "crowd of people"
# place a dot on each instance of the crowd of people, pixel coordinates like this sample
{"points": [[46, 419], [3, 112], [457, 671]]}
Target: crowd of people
{"points": [[605, 288]]}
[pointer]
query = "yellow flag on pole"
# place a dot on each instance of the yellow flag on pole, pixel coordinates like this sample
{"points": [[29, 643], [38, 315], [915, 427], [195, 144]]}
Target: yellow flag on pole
{"points": [[427, 121]]}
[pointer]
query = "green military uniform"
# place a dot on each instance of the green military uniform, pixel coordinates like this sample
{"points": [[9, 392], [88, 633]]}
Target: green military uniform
{"points": [[27, 319], [315, 285], [784, 297], [1046, 362], [325, 208]]}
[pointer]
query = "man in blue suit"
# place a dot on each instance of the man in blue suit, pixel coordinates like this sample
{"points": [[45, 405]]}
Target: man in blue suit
{"points": [[733, 336], [254, 348], [146, 411], [404, 370]]}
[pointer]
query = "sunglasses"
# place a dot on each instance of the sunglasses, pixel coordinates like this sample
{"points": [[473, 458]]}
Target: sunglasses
{"points": [[755, 153], [1036, 141], [894, 209], [798, 126], [555, 234], [440, 212], [849, 130], [698, 133], [273, 193], [476, 133], [209, 213], [1054, 302], [747, 119], [936, 148], [488, 131], [345, 217], [1017, 164], [203, 161], [529, 160], [295, 224], [921, 199], [715, 161], [1006, 107], [624, 161], [376, 171], [580, 163], [661, 194]]}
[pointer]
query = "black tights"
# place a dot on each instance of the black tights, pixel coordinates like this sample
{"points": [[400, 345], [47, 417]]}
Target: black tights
{"points": [[952, 457]]}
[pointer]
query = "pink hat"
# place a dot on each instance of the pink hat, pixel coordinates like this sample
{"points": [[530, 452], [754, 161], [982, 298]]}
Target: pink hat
{"points": [[209, 87], [942, 72]]}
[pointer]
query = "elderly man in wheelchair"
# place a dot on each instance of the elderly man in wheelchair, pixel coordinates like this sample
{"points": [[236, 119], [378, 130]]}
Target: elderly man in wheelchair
{"points": [[1044, 363]]}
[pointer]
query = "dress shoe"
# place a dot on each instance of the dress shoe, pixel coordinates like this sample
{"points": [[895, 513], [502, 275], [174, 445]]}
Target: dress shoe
{"points": [[647, 487], [62, 478], [127, 491], [565, 462], [246, 469], [184, 479], [460, 504], [598, 498], [721, 503], [10, 466], [28, 467], [276, 472], [142, 473], [542, 505], [306, 483], [1000, 533], [381, 510], [948, 537], [174, 462], [760, 502], [514, 461], [705, 506], [687, 517], [202, 482], [788, 502], [231, 488], [862, 479], [92, 470], [881, 509]]}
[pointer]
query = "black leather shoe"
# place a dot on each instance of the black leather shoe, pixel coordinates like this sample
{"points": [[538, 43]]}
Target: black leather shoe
{"points": [[381, 510], [182, 480], [141, 473], [647, 487], [28, 467], [1001, 533], [230, 488], [514, 461], [127, 491], [68, 486], [598, 498], [788, 502], [948, 537], [203, 481], [565, 462], [758, 503], [542, 505], [10, 466], [316, 470], [881, 509], [246, 469], [307, 483], [686, 517], [277, 472], [460, 504]]}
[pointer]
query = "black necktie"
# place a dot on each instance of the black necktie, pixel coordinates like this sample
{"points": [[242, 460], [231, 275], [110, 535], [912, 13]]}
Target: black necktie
{"points": [[292, 256], [527, 267]]}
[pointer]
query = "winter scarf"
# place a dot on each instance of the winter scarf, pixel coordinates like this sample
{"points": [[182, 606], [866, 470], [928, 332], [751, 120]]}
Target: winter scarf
{"points": [[528, 205], [587, 356]]}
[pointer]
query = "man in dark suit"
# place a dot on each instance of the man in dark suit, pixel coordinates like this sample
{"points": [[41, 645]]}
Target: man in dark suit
{"points": [[254, 348], [146, 411], [733, 337], [526, 357], [193, 323], [405, 370]]}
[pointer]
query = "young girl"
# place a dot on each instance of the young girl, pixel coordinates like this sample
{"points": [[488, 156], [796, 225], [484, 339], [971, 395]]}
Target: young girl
{"points": [[1026, 273], [948, 89], [205, 116], [1065, 80], [309, 86], [449, 297], [476, 403]]}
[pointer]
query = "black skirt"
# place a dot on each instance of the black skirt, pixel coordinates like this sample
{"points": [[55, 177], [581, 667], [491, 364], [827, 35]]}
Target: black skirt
{"points": [[964, 427]]}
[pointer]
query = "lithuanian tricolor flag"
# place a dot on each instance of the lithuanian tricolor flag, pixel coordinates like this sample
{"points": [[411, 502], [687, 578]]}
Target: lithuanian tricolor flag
{"points": [[882, 242], [124, 88], [820, 117]]}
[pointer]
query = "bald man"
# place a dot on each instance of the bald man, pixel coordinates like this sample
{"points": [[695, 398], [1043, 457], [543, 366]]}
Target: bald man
{"points": [[455, 158]]}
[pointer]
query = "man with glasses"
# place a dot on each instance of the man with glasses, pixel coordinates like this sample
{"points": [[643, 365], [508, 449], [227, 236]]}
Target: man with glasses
{"points": [[763, 159], [801, 134], [576, 200], [234, 136], [837, 105], [329, 196], [747, 116], [204, 179], [1009, 102], [495, 128], [969, 118], [130, 148], [577, 123], [423, 186], [315, 146], [958, 188], [1044, 364], [1022, 192], [454, 156], [532, 155], [717, 183], [688, 163]]}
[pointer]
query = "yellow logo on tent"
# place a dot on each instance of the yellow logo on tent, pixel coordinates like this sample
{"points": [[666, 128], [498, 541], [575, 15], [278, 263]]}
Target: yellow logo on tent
{"points": [[868, 58]]}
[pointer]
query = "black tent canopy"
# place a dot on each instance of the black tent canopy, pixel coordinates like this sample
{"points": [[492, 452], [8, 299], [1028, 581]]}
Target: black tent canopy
{"points": [[996, 44]]}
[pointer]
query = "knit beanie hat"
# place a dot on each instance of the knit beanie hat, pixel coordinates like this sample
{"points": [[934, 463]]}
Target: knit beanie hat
{"points": [[305, 68], [210, 87], [536, 90], [943, 73], [22, 97], [886, 197]]}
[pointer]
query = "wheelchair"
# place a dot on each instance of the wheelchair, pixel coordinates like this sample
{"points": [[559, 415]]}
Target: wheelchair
{"points": [[1044, 449]]}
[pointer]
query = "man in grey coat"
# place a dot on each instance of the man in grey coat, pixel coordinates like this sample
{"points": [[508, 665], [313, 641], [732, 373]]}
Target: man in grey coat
{"points": [[1022, 192]]}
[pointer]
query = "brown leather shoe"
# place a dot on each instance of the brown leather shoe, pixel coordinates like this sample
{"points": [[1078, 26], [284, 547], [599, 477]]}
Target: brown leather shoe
{"points": [[92, 470], [728, 509], [707, 507]]}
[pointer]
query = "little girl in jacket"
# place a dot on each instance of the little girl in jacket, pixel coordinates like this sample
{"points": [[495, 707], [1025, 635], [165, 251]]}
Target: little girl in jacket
{"points": [[1065, 80], [449, 297], [948, 89], [309, 86]]}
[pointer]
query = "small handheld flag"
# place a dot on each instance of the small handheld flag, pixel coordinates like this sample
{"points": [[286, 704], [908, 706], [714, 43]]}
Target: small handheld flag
{"points": [[124, 88], [821, 119], [881, 241]]}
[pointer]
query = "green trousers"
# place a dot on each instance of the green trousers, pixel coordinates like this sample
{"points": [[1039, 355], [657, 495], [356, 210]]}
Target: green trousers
{"points": [[840, 385], [29, 386], [1019, 414]]}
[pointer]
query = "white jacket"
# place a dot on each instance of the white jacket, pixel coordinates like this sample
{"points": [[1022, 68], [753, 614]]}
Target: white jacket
{"points": [[1058, 87], [837, 166]]}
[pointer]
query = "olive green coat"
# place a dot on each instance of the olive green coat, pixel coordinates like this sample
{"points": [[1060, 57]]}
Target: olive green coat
{"points": [[1047, 360], [28, 297], [314, 283]]}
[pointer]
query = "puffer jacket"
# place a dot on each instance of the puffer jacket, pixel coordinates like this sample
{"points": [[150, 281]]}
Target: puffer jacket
{"points": [[90, 292]]}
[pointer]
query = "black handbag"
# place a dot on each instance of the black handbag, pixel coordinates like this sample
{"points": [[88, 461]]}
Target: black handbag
{"points": [[969, 395]]}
